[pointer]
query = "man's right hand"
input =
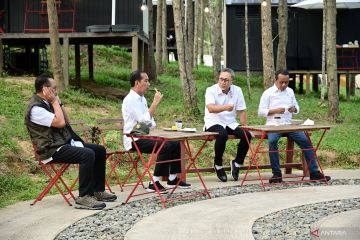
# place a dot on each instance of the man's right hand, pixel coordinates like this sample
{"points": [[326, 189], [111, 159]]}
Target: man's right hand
{"points": [[49, 94], [280, 110]]}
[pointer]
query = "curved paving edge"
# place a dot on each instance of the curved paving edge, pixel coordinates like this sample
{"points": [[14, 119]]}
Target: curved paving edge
{"points": [[230, 217]]}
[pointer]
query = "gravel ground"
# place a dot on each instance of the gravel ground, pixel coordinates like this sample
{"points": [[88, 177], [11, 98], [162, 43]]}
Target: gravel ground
{"points": [[114, 223]]}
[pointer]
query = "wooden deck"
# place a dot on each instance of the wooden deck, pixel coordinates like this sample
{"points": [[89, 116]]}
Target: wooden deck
{"points": [[134, 41]]}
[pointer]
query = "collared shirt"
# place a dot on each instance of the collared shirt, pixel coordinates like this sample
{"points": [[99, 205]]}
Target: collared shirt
{"points": [[275, 98], [135, 109], [43, 117], [214, 95]]}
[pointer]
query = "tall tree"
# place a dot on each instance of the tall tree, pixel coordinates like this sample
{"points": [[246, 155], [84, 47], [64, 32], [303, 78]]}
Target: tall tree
{"points": [[267, 45], [196, 33], [164, 50], [323, 61], [201, 31], [151, 59], [247, 60], [55, 44], [283, 34], [187, 80], [190, 30], [331, 64], [158, 36], [216, 20]]}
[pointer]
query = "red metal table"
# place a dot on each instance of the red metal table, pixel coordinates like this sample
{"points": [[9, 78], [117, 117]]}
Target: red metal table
{"points": [[255, 147], [347, 58], [162, 137]]}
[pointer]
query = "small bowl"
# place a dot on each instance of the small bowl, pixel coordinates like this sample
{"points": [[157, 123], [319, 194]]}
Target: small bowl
{"points": [[296, 122]]}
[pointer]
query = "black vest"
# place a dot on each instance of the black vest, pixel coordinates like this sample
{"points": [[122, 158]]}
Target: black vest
{"points": [[47, 139]]}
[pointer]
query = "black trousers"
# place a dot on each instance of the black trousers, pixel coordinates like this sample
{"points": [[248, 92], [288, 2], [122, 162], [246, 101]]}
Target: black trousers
{"points": [[92, 161], [221, 139], [170, 151]]}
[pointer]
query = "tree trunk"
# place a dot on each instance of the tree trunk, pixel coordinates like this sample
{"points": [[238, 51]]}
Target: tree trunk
{"points": [[151, 60], [158, 36], [187, 80], [331, 64], [217, 37], [283, 34], [55, 45], [164, 33], [267, 46], [323, 61], [247, 60], [201, 31], [190, 30], [196, 32]]}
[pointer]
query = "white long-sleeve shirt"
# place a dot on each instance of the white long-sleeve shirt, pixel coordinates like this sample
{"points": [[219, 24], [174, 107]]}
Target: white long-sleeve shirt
{"points": [[214, 95], [135, 109], [275, 98]]}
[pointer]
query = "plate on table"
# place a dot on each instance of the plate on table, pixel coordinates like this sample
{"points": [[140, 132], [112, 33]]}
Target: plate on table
{"points": [[188, 130], [170, 129]]}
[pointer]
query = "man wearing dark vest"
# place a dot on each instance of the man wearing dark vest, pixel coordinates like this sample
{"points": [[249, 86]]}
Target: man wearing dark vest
{"points": [[55, 141]]}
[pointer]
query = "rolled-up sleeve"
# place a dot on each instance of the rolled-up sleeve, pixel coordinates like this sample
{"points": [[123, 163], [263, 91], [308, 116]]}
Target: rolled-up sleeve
{"points": [[263, 110]]}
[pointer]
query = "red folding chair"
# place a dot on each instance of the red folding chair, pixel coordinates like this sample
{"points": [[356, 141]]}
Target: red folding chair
{"points": [[111, 131], [54, 171]]}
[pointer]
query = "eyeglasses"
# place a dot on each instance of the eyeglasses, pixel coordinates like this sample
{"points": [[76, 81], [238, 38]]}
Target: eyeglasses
{"points": [[225, 80]]}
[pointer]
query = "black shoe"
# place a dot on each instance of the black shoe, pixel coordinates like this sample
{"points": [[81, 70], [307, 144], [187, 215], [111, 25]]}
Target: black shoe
{"points": [[221, 174], [319, 176], [276, 178], [175, 181], [151, 187], [234, 170]]}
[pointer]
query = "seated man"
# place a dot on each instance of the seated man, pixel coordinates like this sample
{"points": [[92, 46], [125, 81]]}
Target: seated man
{"points": [[54, 140], [278, 104], [222, 102], [135, 109]]}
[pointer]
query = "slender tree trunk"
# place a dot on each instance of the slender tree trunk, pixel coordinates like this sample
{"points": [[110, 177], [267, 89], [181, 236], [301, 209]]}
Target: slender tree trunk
{"points": [[283, 34], [187, 80], [323, 61], [190, 30], [196, 32], [247, 60], [267, 46], [164, 33], [151, 61], [55, 45], [217, 37], [201, 31], [331, 64], [158, 36]]}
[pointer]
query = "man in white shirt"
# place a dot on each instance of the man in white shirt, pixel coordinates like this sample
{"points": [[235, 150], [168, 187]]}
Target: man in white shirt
{"points": [[223, 101], [278, 104], [135, 109], [54, 141]]}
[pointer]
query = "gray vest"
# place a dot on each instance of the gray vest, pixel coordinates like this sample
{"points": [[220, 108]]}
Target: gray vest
{"points": [[46, 139]]}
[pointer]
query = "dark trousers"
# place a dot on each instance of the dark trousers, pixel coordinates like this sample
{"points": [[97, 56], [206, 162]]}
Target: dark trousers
{"points": [[221, 139], [170, 151], [92, 160]]}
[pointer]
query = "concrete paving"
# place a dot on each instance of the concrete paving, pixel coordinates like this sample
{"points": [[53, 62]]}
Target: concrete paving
{"points": [[50, 216]]}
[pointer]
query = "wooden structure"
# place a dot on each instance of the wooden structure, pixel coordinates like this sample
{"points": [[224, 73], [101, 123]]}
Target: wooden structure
{"points": [[134, 41]]}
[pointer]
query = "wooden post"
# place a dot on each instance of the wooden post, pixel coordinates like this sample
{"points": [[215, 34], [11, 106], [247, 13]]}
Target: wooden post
{"points": [[347, 86], [66, 61], [292, 82], [315, 83], [1, 58], [307, 82], [141, 56], [338, 83], [77, 65], [352, 84], [91, 62], [36, 65], [146, 58], [135, 53], [301, 84]]}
